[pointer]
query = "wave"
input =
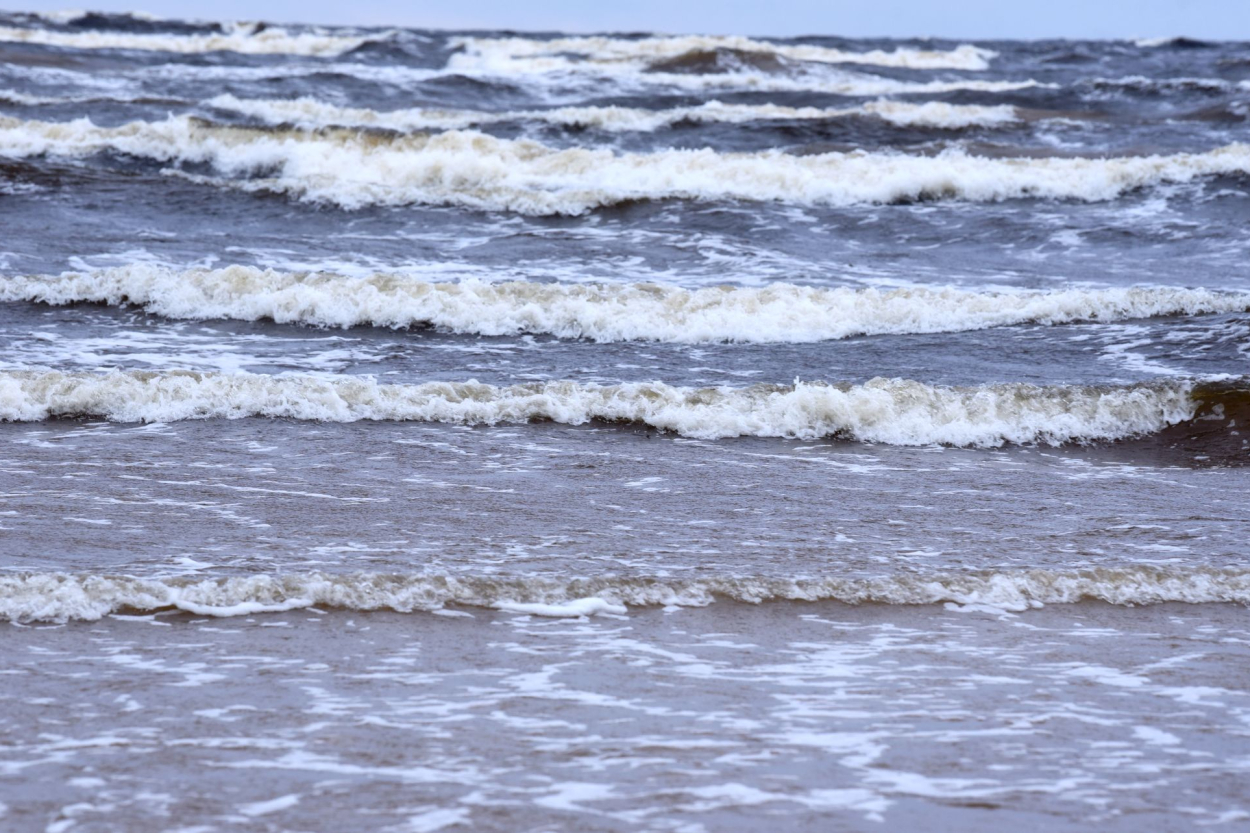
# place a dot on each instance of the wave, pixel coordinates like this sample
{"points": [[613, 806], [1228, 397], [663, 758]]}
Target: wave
{"points": [[113, 20], [1175, 42], [1140, 83], [15, 97], [829, 80], [62, 597], [508, 56], [843, 83], [311, 113], [778, 313], [27, 100], [890, 411], [353, 169], [247, 38], [702, 64], [941, 115]]}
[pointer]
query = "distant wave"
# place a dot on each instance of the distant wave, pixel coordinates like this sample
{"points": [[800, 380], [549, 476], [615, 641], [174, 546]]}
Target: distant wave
{"points": [[61, 597], [603, 312], [830, 82], [311, 113], [246, 38], [707, 64], [15, 97], [1140, 83], [1175, 42], [892, 411], [517, 54], [470, 169]]}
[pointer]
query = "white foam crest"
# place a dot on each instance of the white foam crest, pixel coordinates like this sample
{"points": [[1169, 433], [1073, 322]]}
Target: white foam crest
{"points": [[942, 115], [777, 313], [247, 38], [470, 169], [61, 597], [507, 56], [311, 113], [893, 411]]}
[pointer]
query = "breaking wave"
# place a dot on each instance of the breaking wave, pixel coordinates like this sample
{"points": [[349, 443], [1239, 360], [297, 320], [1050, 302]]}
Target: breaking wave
{"points": [[61, 597], [353, 169], [891, 411], [311, 113], [778, 313], [506, 56], [248, 38]]}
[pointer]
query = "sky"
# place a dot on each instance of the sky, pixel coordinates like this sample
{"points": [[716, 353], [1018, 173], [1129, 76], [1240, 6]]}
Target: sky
{"points": [[970, 19]]}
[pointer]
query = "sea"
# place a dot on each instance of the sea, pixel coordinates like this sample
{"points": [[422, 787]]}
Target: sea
{"points": [[410, 430]]}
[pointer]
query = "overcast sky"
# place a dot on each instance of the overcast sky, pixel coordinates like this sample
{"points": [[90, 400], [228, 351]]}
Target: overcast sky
{"points": [[1222, 19]]}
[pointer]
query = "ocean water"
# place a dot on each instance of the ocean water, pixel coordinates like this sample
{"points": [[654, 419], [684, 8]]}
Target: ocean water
{"points": [[408, 430]]}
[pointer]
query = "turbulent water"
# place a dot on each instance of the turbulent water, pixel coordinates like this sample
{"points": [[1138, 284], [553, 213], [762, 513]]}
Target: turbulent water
{"points": [[412, 430]]}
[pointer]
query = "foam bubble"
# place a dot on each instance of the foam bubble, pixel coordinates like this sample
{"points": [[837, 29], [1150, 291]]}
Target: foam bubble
{"points": [[777, 313]]}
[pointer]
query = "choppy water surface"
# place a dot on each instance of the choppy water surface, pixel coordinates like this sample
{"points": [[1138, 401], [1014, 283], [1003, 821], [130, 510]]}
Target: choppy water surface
{"points": [[408, 430]]}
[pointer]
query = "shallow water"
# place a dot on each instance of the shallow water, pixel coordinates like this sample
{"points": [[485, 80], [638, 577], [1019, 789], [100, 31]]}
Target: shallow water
{"points": [[720, 718]]}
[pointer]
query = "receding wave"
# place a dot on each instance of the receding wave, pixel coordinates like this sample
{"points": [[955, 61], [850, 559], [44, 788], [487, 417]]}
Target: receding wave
{"points": [[518, 55], [778, 313], [892, 411], [470, 169], [312, 113], [246, 38], [61, 597]]}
